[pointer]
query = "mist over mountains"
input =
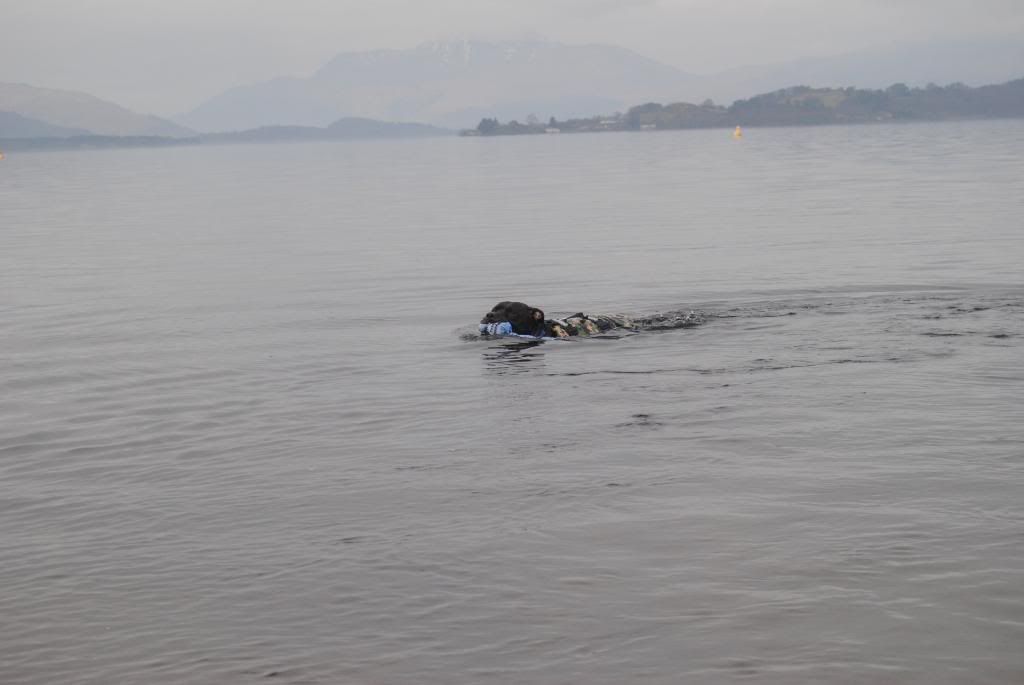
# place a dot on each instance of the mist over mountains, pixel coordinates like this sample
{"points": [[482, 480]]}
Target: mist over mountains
{"points": [[455, 84], [77, 113], [448, 84]]}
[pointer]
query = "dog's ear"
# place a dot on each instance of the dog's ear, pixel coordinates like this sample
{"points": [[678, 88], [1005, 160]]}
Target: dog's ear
{"points": [[537, 314]]}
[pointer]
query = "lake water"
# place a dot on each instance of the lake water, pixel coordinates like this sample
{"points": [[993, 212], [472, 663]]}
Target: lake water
{"points": [[246, 437]]}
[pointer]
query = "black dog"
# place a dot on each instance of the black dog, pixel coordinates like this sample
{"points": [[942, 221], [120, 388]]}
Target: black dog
{"points": [[525, 320]]}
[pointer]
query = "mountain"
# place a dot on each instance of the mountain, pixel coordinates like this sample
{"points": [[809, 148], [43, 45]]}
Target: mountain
{"points": [[69, 109], [451, 84], [455, 84], [13, 125]]}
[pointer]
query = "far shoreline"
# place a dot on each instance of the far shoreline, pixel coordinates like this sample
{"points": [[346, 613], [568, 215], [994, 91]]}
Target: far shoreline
{"points": [[797, 107], [16, 145]]}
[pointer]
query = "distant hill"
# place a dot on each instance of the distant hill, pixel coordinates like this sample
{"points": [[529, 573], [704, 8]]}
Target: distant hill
{"points": [[354, 127], [972, 62], [344, 129], [804, 105], [13, 125], [799, 106], [72, 110], [449, 84]]}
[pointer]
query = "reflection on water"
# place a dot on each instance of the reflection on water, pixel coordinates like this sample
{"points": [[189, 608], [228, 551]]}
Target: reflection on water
{"points": [[514, 357]]}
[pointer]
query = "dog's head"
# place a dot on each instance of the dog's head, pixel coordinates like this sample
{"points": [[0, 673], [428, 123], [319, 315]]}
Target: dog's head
{"points": [[497, 314], [525, 320]]}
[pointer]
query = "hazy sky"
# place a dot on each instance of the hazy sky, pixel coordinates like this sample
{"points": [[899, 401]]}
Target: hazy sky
{"points": [[165, 56]]}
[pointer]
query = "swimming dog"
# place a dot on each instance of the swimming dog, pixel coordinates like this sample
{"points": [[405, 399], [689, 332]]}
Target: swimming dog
{"points": [[525, 320], [530, 321]]}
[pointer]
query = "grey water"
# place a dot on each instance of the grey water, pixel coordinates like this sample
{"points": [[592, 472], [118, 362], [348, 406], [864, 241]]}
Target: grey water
{"points": [[247, 435]]}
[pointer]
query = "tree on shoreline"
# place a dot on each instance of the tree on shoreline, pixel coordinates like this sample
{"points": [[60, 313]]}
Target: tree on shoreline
{"points": [[487, 127]]}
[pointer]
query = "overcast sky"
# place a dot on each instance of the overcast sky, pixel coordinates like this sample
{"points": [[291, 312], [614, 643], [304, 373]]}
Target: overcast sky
{"points": [[165, 56]]}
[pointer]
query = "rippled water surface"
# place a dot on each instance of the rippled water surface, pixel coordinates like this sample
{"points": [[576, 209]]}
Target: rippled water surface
{"points": [[243, 436]]}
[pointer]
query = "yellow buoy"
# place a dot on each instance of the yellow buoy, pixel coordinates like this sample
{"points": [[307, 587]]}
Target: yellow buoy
{"points": [[738, 133]]}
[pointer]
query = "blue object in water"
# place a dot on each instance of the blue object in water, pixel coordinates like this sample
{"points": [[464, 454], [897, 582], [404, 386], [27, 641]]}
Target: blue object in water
{"points": [[503, 329]]}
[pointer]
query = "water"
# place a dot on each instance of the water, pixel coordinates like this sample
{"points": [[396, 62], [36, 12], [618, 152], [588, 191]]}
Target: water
{"points": [[243, 436]]}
